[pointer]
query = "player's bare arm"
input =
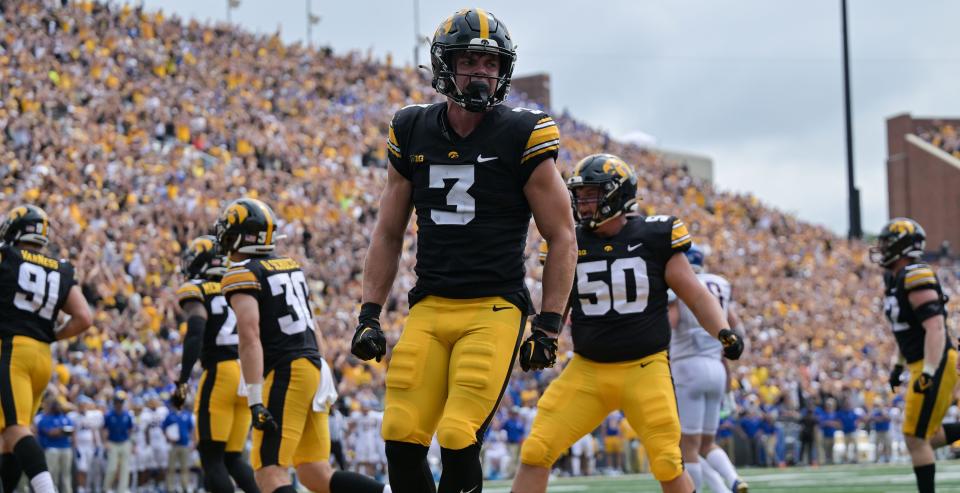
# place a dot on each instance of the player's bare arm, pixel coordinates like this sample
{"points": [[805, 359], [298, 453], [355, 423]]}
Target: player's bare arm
{"points": [[80, 318], [934, 339], [248, 327], [383, 256], [550, 204]]}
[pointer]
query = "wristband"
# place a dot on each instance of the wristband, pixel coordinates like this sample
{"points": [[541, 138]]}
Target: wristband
{"points": [[550, 322], [370, 311], [254, 394]]}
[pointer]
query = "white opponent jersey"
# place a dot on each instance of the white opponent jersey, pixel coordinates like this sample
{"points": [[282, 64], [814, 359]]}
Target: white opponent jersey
{"points": [[689, 338], [87, 428]]}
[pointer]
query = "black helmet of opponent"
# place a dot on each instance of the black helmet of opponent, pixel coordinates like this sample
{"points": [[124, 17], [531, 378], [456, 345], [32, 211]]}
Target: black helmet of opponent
{"points": [[617, 183], [471, 30]]}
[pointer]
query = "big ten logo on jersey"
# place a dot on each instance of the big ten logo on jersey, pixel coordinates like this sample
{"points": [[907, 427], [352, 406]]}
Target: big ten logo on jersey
{"points": [[625, 293], [417, 159], [293, 287], [891, 307]]}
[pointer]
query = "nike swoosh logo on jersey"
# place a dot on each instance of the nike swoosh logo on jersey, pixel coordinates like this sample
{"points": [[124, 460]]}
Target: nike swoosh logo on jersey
{"points": [[497, 309], [644, 365], [471, 490], [481, 159], [631, 248]]}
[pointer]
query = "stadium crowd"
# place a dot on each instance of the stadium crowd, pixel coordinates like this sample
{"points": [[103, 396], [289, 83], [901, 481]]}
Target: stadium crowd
{"points": [[131, 128]]}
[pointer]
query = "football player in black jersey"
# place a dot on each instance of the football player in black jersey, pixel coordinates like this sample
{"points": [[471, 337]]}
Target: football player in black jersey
{"points": [[279, 357], [915, 305], [223, 420], [474, 170], [621, 332], [34, 289]]}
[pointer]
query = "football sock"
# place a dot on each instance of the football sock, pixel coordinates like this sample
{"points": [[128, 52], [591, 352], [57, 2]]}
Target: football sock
{"points": [[241, 472], [712, 478], [695, 472], [925, 475], [351, 482], [721, 463], [10, 472], [408, 468], [952, 432], [462, 472], [215, 476]]}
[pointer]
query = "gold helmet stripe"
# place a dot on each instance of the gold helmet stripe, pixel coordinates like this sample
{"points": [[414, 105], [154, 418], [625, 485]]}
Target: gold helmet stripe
{"points": [[484, 24], [266, 214]]}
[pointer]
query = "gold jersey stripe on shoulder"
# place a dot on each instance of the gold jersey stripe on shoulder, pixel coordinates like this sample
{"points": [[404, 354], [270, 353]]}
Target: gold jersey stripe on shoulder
{"points": [[919, 277], [392, 144], [679, 235], [544, 131], [542, 251], [239, 279], [189, 291]]}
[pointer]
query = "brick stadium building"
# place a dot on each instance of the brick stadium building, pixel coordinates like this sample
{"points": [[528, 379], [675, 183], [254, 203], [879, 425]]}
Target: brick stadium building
{"points": [[923, 180]]}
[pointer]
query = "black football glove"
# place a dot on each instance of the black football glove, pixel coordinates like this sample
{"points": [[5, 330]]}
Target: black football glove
{"points": [[179, 396], [262, 419], [368, 340], [732, 344], [923, 383], [896, 377], [539, 351]]}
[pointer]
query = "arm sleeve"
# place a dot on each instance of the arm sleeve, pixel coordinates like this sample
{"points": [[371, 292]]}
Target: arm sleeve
{"points": [[192, 344]]}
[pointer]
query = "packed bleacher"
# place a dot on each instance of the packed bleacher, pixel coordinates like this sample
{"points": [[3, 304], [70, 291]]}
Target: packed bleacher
{"points": [[131, 128], [943, 135]]}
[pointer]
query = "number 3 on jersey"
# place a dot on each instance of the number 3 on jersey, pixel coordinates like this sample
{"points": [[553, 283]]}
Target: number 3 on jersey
{"points": [[463, 203], [598, 297], [228, 334], [293, 285]]}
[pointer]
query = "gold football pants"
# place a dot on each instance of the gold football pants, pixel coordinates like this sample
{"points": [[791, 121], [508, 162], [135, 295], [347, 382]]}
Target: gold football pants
{"points": [[303, 435], [26, 365], [449, 370], [222, 413], [587, 391], [923, 413]]}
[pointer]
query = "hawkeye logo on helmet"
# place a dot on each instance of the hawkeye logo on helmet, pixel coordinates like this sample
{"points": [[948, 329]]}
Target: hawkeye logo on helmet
{"points": [[901, 227], [18, 212], [236, 214]]}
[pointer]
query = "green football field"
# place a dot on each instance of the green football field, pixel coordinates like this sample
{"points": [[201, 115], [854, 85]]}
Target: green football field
{"points": [[833, 479]]}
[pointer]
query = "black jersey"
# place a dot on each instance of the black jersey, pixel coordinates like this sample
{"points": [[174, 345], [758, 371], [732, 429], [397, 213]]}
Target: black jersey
{"points": [[907, 327], [472, 215], [220, 336], [619, 297], [33, 289], [286, 316]]}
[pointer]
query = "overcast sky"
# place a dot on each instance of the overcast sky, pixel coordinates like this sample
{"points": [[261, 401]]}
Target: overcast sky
{"points": [[754, 84]]}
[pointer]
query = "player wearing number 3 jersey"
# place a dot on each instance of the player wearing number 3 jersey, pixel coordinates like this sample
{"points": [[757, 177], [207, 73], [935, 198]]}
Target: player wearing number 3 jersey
{"points": [[621, 333], [34, 289], [279, 356], [223, 420], [474, 170]]}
